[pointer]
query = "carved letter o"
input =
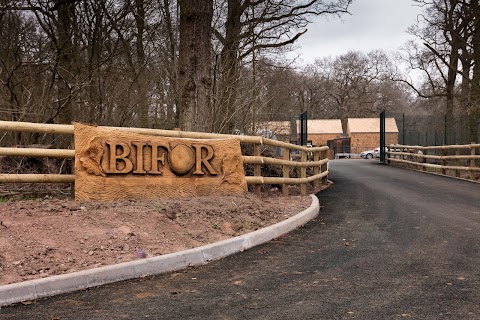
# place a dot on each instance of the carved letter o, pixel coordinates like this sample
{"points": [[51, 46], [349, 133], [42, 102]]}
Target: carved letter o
{"points": [[181, 159]]}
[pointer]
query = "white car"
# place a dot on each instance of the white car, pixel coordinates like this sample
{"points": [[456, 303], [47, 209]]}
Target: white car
{"points": [[369, 154]]}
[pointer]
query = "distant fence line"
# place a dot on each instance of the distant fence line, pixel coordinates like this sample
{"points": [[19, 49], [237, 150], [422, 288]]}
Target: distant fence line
{"points": [[432, 129], [441, 160], [315, 158]]}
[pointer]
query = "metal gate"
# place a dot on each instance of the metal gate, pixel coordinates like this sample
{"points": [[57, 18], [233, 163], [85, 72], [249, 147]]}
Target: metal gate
{"points": [[382, 137], [303, 129]]}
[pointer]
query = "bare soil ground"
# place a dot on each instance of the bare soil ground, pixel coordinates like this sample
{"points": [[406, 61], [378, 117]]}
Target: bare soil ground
{"points": [[54, 235]]}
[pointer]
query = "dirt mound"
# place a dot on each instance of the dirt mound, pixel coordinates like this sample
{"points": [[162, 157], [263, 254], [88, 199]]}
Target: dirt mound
{"points": [[51, 236]]}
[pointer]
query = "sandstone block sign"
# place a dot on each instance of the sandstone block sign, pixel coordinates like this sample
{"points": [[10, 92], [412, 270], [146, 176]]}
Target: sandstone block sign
{"points": [[113, 164]]}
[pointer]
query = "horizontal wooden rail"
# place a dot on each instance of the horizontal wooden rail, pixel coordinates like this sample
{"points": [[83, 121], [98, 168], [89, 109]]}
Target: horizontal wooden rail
{"points": [[436, 166], [35, 152], [418, 156], [37, 178], [205, 135], [280, 162], [447, 147], [318, 154], [36, 127], [68, 129], [280, 180], [426, 156]]}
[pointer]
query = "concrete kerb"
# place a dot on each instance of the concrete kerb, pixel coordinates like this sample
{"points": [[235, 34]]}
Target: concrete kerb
{"points": [[38, 288]]}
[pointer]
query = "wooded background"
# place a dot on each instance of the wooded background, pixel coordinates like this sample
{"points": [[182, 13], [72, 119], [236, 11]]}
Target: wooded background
{"points": [[220, 66]]}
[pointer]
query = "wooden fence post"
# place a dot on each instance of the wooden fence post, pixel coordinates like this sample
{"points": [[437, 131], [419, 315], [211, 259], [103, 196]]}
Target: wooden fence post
{"points": [[324, 167], [286, 171], [303, 174], [472, 162], [72, 169], [415, 156], [444, 162], [457, 163], [425, 152], [257, 169], [316, 169]]}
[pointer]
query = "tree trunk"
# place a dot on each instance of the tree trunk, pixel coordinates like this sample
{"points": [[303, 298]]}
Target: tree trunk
{"points": [[225, 108], [141, 96], [465, 101], [194, 64], [65, 59], [475, 86], [96, 110], [450, 92], [171, 115]]}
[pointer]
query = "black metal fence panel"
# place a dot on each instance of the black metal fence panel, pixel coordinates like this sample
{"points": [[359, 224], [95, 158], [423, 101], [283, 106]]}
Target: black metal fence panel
{"points": [[432, 129]]}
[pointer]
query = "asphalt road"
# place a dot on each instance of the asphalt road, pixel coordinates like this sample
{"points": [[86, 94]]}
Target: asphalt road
{"points": [[411, 251]]}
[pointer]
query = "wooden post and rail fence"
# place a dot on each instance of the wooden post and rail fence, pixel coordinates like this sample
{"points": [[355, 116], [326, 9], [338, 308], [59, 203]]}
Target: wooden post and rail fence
{"points": [[317, 154], [464, 162]]}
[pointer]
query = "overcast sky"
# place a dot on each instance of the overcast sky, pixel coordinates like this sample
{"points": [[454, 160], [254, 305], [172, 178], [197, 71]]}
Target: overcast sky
{"points": [[373, 24]]}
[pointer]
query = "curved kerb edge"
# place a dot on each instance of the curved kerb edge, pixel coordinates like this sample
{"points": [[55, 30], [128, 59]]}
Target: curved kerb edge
{"points": [[38, 288]]}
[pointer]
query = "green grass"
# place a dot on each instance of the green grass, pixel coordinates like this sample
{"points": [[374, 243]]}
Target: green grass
{"points": [[4, 199]]}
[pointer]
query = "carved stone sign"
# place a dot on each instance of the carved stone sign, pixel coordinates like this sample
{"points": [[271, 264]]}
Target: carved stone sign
{"points": [[112, 164]]}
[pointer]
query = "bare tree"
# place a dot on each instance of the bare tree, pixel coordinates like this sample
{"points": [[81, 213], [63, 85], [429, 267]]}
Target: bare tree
{"points": [[447, 30], [24, 76], [253, 27], [355, 84]]}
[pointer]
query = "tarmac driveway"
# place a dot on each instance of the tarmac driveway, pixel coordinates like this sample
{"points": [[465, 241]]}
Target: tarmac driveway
{"points": [[388, 244]]}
